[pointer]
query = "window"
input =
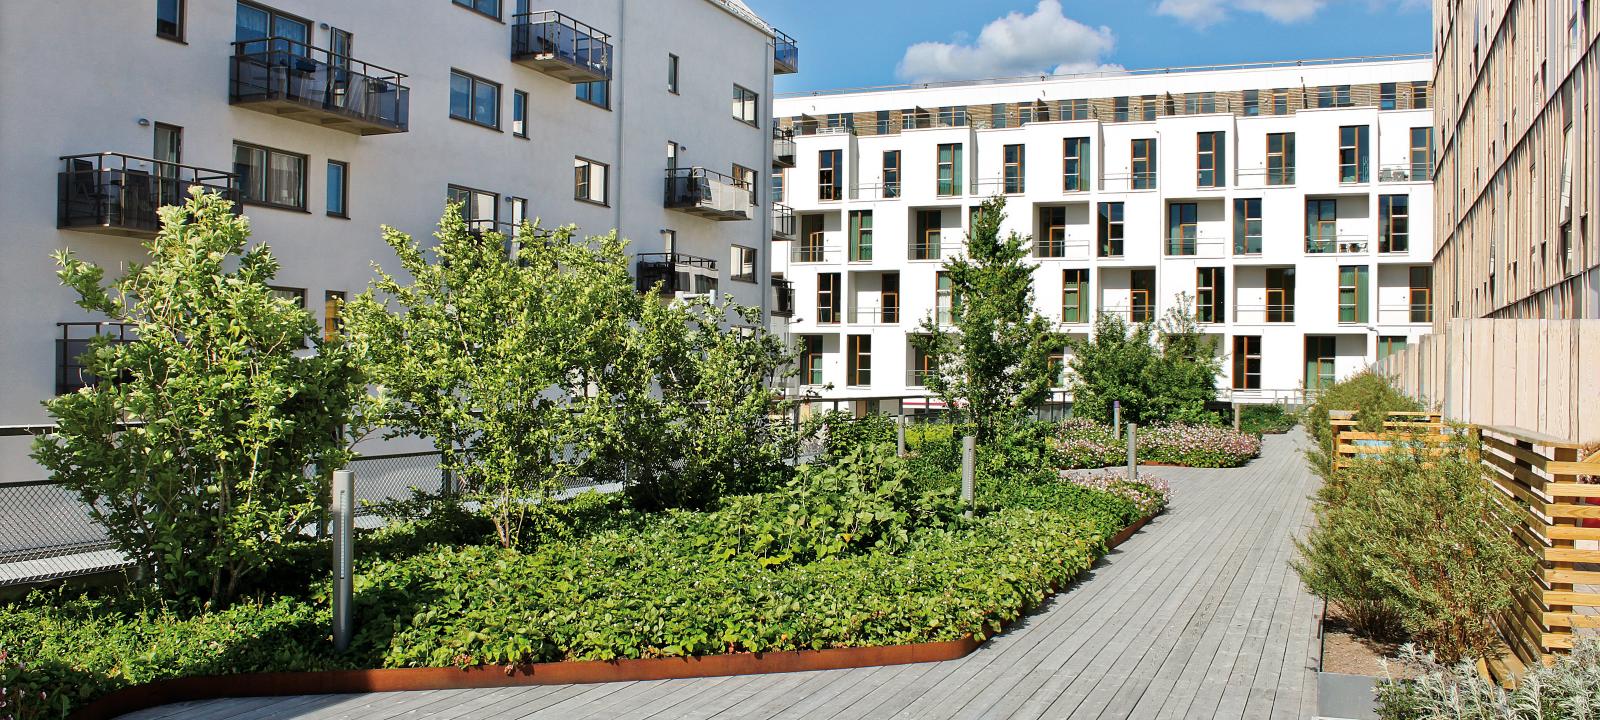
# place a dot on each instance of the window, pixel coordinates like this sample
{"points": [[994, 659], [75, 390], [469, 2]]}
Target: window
{"points": [[921, 366], [860, 357], [1148, 106], [169, 19], [954, 116], [889, 296], [1211, 160], [776, 186], [1183, 223], [1199, 103], [294, 295], [589, 181], [1421, 153], [474, 99], [1419, 94], [997, 116], [1144, 164], [487, 7], [1320, 356], [270, 177], [860, 235], [1075, 164], [812, 246], [1252, 103], [884, 123], [252, 22], [1331, 96], [944, 298], [1119, 109], [1390, 345], [1322, 226], [332, 308], [1141, 296], [597, 93], [1353, 293], [519, 113], [949, 170], [811, 359], [1280, 158], [891, 174], [1421, 294], [1057, 365], [519, 210], [1394, 223], [706, 286], [830, 298], [926, 244], [1211, 294], [168, 149], [480, 209], [1280, 295], [1386, 96], [1075, 109], [1051, 241], [1015, 169], [744, 106], [672, 74], [741, 264], [1247, 226], [1247, 362], [1280, 101], [341, 44], [830, 177], [746, 178], [1109, 230], [338, 189], [1075, 295], [1353, 154]]}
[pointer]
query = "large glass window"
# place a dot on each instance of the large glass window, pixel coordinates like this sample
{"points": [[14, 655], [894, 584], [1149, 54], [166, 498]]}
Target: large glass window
{"points": [[1421, 292], [252, 22], [1144, 164], [338, 189], [169, 19], [1119, 109], [830, 298], [1394, 223], [1353, 293], [270, 177], [1015, 169], [1354, 154], [1076, 167], [590, 181], [1108, 230], [741, 264], [1247, 362], [1051, 241], [1183, 222], [830, 175], [889, 298], [1387, 96], [487, 7], [1280, 158], [1320, 357], [745, 104], [479, 209], [926, 243], [597, 93], [860, 235], [891, 174], [811, 359], [1247, 226], [944, 298], [1252, 103], [949, 169], [1322, 225], [1211, 160], [1280, 295], [1390, 345], [1075, 295], [1421, 153], [1211, 294], [1141, 296], [474, 99], [860, 356]]}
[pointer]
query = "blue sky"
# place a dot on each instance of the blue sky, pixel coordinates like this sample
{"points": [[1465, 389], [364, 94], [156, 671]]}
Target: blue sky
{"points": [[854, 43]]}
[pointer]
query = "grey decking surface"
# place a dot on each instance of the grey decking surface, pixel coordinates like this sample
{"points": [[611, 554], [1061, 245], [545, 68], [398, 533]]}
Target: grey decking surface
{"points": [[1197, 616]]}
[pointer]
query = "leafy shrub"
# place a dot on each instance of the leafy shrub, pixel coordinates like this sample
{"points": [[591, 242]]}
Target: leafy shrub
{"points": [[1084, 443], [1162, 371], [1567, 690], [1150, 494], [1196, 445], [1267, 419], [1423, 538], [840, 432], [1048, 492], [1369, 395]]}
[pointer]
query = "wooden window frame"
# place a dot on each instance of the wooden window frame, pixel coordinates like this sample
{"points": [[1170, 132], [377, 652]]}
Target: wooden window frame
{"points": [[1052, 238], [1242, 226], [1318, 241], [860, 237], [1280, 162], [811, 360], [1075, 164], [1211, 295], [1211, 156], [1246, 362], [1324, 380], [1359, 165], [830, 183], [928, 242], [1394, 223], [1354, 287], [1142, 155], [830, 304], [859, 356], [1110, 229], [948, 171], [1075, 296], [891, 187], [1420, 296], [1014, 180], [1281, 296], [1421, 156], [889, 298], [1389, 345], [1141, 300], [1183, 229]]}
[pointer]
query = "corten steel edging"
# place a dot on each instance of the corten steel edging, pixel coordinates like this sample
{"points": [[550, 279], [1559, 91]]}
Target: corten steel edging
{"points": [[574, 672]]}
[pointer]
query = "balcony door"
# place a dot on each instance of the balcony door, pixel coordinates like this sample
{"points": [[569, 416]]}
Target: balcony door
{"points": [[1320, 372], [253, 22]]}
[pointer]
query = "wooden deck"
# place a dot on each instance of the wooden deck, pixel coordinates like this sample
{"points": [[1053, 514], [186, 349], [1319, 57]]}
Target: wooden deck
{"points": [[1197, 616]]}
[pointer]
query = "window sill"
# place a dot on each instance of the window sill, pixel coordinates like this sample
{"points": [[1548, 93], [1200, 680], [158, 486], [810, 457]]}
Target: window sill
{"points": [[475, 123], [479, 13], [171, 39], [596, 203], [339, 216], [274, 206]]}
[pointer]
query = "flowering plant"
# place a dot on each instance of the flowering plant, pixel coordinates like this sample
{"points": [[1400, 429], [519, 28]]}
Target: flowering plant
{"points": [[17, 703], [1196, 445], [1147, 492]]}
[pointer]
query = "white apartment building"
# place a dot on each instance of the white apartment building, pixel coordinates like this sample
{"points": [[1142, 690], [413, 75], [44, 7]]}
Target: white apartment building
{"points": [[329, 118], [1292, 201]]}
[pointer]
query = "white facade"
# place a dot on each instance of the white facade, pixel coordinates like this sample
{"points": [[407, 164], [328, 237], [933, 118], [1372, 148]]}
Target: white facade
{"points": [[1379, 95], [97, 76]]}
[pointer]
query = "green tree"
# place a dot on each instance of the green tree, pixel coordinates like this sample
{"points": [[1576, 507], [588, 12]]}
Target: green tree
{"points": [[1165, 371], [193, 450], [993, 365], [1183, 380]]}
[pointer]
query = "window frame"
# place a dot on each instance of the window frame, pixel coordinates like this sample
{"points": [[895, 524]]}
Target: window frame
{"points": [[1283, 174], [1075, 295], [1389, 345], [1393, 225], [860, 236], [469, 202], [519, 114], [1076, 164], [1281, 311], [891, 188], [584, 92], [747, 101], [1183, 229], [1246, 362], [811, 355], [928, 242], [580, 164], [948, 169], [473, 81], [858, 356], [1243, 217], [473, 6], [1420, 312], [1211, 295], [830, 180], [1353, 291], [1359, 151], [333, 302], [1110, 215], [181, 22], [1211, 156], [1426, 150], [1142, 153], [1051, 241], [344, 189], [830, 295], [1014, 169], [1320, 220], [739, 258], [267, 177], [674, 64], [889, 298]]}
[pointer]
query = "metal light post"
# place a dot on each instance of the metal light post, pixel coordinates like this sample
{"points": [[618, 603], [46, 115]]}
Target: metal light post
{"points": [[343, 515], [969, 452]]}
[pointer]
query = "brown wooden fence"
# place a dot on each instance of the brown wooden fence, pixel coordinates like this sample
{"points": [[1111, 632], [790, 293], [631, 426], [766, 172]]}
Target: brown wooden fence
{"points": [[1554, 488]]}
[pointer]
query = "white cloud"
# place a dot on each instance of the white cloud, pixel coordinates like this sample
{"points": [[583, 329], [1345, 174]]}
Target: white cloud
{"points": [[1206, 12], [1018, 44]]}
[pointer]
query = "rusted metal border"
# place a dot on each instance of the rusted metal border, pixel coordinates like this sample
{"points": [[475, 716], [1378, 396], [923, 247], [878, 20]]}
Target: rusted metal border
{"points": [[211, 687]]}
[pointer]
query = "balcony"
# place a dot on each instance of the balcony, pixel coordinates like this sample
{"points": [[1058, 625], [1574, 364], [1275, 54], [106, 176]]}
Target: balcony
{"points": [[783, 147], [888, 315], [708, 194], [783, 298], [1404, 172], [783, 223], [1340, 244], [74, 340], [785, 54], [118, 194], [1261, 314], [560, 47], [676, 273], [285, 77]]}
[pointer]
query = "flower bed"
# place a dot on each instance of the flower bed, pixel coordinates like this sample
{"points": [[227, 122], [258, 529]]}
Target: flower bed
{"points": [[1083, 444]]}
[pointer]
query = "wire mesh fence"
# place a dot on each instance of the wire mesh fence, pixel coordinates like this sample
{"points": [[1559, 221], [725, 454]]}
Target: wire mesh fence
{"points": [[46, 533]]}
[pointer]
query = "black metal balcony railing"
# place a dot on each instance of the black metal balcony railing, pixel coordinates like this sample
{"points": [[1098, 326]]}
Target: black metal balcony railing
{"points": [[119, 194], [783, 222], [74, 340], [783, 298], [282, 76], [673, 272], [785, 54], [709, 194], [783, 147], [560, 47]]}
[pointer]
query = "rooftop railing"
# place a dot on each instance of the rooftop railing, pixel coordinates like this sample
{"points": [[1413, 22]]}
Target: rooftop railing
{"points": [[560, 46], [119, 194], [283, 76]]}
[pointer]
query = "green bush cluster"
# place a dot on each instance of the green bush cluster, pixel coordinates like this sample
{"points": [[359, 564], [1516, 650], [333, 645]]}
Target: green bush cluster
{"points": [[1369, 395], [1083, 443], [1567, 690], [1267, 419]]}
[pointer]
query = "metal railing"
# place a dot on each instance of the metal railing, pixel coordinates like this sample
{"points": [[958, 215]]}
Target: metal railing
{"points": [[800, 252], [671, 271], [1339, 244], [875, 315], [1068, 248], [73, 342], [1202, 244], [782, 298], [288, 70], [1263, 314], [783, 147], [699, 191], [785, 53], [1262, 177], [549, 35], [1129, 181], [1141, 313], [875, 191], [1404, 172], [115, 192], [783, 222], [1408, 314]]}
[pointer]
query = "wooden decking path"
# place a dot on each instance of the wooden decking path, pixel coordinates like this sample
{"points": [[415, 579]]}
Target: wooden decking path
{"points": [[1197, 616]]}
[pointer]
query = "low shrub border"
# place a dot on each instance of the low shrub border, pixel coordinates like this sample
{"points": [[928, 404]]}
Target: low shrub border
{"points": [[188, 689]]}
